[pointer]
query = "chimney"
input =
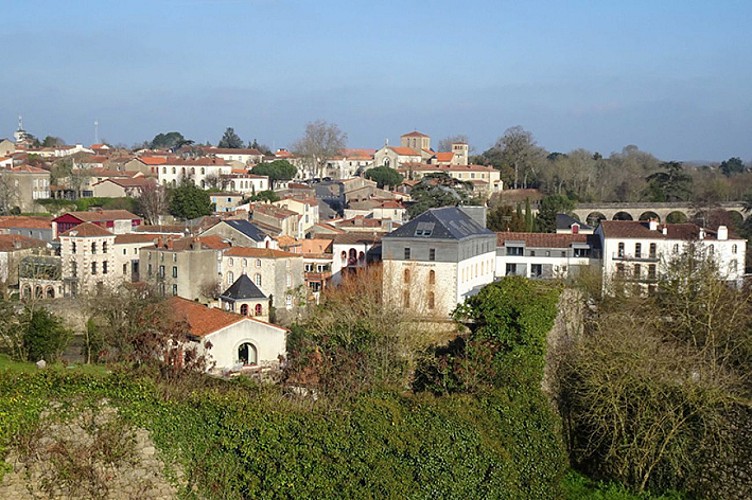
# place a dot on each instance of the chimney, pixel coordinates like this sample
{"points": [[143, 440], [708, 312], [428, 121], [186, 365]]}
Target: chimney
{"points": [[702, 233], [665, 230], [477, 213], [653, 224], [722, 233]]}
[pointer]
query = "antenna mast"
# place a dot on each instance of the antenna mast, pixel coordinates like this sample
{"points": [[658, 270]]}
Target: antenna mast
{"points": [[96, 132]]}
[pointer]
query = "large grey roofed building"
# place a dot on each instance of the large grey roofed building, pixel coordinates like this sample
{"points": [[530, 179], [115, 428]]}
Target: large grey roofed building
{"points": [[447, 223]]}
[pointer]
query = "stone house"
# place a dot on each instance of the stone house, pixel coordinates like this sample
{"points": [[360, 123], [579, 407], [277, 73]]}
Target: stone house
{"points": [[278, 274], [437, 260], [245, 298], [188, 267], [88, 259], [241, 233], [29, 184]]}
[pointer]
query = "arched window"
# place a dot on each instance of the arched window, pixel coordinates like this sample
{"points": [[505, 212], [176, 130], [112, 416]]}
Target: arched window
{"points": [[258, 310], [164, 170], [621, 249], [733, 248], [407, 276], [245, 262], [230, 262], [258, 262], [104, 247], [431, 277], [247, 354], [244, 310], [193, 170], [174, 170], [203, 171]]}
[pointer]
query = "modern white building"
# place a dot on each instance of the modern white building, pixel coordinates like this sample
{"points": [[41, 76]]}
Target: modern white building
{"points": [[638, 252], [545, 255]]}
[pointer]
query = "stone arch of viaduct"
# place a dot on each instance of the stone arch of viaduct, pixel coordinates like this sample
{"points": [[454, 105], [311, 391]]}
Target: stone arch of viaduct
{"points": [[636, 210]]}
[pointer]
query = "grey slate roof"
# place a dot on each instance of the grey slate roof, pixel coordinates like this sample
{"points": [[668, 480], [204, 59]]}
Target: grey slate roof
{"points": [[242, 289], [246, 228], [446, 223], [564, 221]]}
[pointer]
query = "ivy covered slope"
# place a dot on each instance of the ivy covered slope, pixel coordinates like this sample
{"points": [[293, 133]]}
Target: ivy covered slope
{"points": [[462, 432]]}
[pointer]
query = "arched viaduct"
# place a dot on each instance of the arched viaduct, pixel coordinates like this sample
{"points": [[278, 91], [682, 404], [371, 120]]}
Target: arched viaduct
{"points": [[588, 212]]}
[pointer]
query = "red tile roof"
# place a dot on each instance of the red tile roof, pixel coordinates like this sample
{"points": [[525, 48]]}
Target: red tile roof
{"points": [[102, 215], [26, 222], [268, 253], [641, 229], [87, 230], [124, 239], [201, 320], [445, 157], [414, 133], [403, 151], [11, 242], [153, 160], [541, 240]]}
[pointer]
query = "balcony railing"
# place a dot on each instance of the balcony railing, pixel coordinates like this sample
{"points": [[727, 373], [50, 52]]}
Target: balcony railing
{"points": [[643, 257]]}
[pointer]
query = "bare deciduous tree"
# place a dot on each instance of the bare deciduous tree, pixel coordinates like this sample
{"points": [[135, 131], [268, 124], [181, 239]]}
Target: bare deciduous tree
{"points": [[322, 141], [153, 202]]}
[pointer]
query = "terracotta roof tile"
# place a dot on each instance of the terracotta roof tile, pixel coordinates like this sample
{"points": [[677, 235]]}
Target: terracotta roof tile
{"points": [[641, 229], [269, 253], [414, 133], [26, 222], [201, 320], [541, 240], [11, 242], [103, 215], [87, 230]]}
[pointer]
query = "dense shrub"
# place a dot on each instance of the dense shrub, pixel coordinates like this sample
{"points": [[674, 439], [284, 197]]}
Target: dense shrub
{"points": [[245, 441]]}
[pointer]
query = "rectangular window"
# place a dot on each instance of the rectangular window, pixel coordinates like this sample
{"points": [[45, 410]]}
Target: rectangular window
{"points": [[651, 271], [536, 270], [93, 268], [149, 270], [125, 269], [174, 272], [407, 254], [517, 251], [161, 272], [638, 250], [637, 271], [104, 267], [652, 250], [431, 254], [582, 252], [511, 269], [406, 298], [174, 289]]}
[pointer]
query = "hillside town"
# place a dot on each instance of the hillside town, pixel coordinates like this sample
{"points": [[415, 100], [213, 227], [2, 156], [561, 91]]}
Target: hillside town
{"points": [[271, 244]]}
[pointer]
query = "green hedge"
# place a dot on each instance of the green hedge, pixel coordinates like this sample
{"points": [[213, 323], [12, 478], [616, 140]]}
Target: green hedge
{"points": [[241, 440]]}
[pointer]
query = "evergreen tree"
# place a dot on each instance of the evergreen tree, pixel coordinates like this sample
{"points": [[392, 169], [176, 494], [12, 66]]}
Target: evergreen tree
{"points": [[231, 140], [188, 201]]}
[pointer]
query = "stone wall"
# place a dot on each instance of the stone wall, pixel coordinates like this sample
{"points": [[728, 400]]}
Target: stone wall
{"points": [[89, 453]]}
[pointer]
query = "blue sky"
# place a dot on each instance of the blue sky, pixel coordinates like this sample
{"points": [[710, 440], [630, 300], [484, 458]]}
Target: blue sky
{"points": [[672, 77]]}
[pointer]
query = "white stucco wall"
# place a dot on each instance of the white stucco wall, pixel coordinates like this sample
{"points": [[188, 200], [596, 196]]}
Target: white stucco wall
{"points": [[269, 340]]}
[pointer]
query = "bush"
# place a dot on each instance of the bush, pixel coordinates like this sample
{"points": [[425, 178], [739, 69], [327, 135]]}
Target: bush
{"points": [[45, 336]]}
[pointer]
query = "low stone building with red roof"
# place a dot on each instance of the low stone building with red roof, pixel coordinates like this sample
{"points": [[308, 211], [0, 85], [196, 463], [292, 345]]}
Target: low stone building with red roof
{"points": [[231, 342]]}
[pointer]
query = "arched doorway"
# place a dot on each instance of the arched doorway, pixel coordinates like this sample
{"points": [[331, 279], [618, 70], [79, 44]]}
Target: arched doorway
{"points": [[244, 310], [50, 292], [247, 354], [258, 310], [622, 216]]}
